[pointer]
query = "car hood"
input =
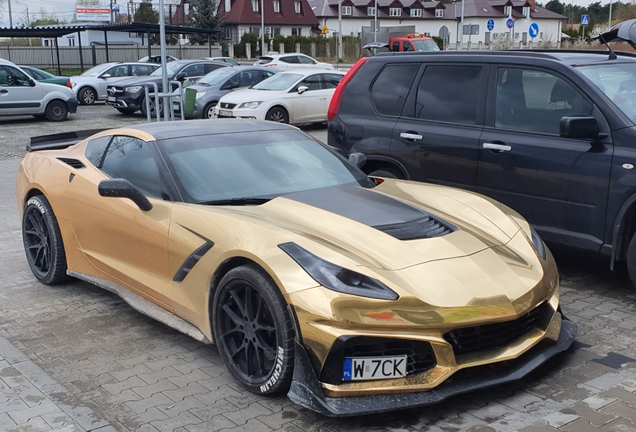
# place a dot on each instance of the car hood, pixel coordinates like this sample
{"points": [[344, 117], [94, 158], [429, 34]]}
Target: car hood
{"points": [[248, 95]]}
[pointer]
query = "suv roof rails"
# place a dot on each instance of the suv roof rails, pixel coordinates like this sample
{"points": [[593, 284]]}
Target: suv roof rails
{"points": [[573, 51], [59, 141], [530, 53]]}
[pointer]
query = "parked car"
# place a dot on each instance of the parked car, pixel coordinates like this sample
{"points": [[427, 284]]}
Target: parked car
{"points": [[351, 295], [92, 84], [45, 77], [375, 48], [413, 42], [222, 81], [21, 94], [156, 59], [228, 60], [294, 96], [551, 134], [291, 61], [129, 95]]}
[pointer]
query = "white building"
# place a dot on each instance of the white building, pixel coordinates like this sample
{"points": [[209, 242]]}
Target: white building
{"points": [[95, 37], [435, 18]]}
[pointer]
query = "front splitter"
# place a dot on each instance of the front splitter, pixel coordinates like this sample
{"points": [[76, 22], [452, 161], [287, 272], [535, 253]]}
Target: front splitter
{"points": [[306, 390]]}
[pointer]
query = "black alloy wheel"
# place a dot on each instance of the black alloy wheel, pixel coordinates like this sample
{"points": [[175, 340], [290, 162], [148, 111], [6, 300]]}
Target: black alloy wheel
{"points": [[56, 111], [153, 112], [43, 241], [88, 96], [278, 115], [253, 330]]}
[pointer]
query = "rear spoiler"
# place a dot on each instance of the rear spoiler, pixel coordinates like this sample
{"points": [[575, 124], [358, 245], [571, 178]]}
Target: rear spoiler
{"points": [[621, 32], [59, 141]]}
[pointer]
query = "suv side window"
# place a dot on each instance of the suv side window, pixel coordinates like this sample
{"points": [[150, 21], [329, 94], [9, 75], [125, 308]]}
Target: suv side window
{"points": [[131, 159], [290, 59], [391, 87], [535, 101], [305, 60], [12, 77], [449, 93]]}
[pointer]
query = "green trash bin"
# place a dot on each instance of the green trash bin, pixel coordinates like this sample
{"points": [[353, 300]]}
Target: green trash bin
{"points": [[190, 100]]}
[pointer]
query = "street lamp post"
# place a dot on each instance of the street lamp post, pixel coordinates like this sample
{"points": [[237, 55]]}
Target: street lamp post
{"points": [[164, 68], [262, 28], [339, 30], [375, 25], [461, 29]]}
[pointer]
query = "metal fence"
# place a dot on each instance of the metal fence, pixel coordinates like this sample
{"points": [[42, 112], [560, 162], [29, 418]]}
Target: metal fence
{"points": [[46, 57]]}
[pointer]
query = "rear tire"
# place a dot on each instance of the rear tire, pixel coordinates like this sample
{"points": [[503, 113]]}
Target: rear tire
{"points": [[253, 330], [631, 259], [87, 96], [56, 111], [278, 115], [43, 241]]}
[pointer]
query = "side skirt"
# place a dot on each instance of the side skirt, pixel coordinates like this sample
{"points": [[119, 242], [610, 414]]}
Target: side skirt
{"points": [[144, 306]]}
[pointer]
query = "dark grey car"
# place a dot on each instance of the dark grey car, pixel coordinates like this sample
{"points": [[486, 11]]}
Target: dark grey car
{"points": [[220, 82]]}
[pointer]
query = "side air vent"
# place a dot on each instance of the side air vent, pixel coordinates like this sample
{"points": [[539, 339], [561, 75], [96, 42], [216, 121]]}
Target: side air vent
{"points": [[73, 162], [424, 227], [191, 261]]}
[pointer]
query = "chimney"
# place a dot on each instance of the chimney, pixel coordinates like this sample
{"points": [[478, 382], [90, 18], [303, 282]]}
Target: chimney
{"points": [[533, 5]]}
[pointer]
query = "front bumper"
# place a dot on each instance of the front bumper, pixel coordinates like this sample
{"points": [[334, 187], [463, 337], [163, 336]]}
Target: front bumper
{"points": [[253, 114], [307, 391], [126, 102], [72, 104]]}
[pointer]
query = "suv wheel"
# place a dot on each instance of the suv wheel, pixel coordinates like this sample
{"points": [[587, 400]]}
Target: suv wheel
{"points": [[56, 111], [87, 96], [277, 114]]}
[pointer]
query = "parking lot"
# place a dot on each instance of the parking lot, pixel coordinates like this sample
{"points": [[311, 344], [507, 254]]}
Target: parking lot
{"points": [[77, 358]]}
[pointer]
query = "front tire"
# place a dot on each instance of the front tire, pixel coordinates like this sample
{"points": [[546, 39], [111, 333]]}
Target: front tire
{"points": [[278, 115], [631, 259], [126, 112], [87, 96], [208, 112], [56, 111], [144, 111], [253, 330], [43, 241]]}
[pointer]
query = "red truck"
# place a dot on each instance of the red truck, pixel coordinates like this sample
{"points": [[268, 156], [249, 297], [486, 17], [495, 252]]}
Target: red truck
{"points": [[410, 42]]}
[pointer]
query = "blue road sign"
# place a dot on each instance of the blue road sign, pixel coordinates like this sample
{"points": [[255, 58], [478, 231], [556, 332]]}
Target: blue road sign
{"points": [[534, 30], [491, 24], [510, 23], [116, 8], [585, 20]]}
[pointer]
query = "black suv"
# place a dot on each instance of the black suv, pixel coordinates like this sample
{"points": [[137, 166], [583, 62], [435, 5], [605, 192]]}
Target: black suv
{"points": [[551, 134], [129, 95]]}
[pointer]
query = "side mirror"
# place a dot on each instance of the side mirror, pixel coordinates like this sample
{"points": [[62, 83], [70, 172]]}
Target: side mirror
{"points": [[357, 159], [302, 89], [180, 76], [585, 127], [106, 75], [31, 82], [230, 85], [122, 188]]}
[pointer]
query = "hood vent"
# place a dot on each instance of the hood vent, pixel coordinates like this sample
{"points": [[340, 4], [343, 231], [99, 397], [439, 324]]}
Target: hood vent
{"points": [[72, 162], [422, 228]]}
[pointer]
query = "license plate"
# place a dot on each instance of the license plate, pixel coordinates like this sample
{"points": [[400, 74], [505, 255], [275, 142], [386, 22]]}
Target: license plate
{"points": [[374, 368], [111, 99], [225, 113], [177, 107]]}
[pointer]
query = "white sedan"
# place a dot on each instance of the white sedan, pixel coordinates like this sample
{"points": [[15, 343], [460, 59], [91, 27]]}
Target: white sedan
{"points": [[291, 61], [295, 96]]}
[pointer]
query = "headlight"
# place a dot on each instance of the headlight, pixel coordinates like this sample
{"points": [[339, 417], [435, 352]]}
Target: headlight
{"points": [[250, 105], [133, 89], [73, 84], [337, 278], [200, 95], [538, 244]]}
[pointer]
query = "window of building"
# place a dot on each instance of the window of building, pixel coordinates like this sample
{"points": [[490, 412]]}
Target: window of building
{"points": [[371, 11], [255, 5], [439, 13], [297, 6], [346, 10], [535, 101], [255, 30], [186, 8], [449, 94], [395, 12], [416, 12], [391, 88], [507, 10], [526, 11], [228, 5], [276, 6], [71, 42], [297, 31]]}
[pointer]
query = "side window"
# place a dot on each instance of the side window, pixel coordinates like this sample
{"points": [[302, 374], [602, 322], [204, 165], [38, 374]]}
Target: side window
{"points": [[391, 88], [331, 81], [131, 159], [140, 70], [34, 74], [290, 59], [265, 75], [408, 46], [118, 71], [396, 46], [535, 101], [12, 77], [248, 78], [305, 60], [207, 67], [194, 70], [95, 150], [311, 82], [449, 94]]}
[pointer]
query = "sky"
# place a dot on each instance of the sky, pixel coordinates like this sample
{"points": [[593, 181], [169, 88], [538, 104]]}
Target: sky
{"points": [[64, 9]]}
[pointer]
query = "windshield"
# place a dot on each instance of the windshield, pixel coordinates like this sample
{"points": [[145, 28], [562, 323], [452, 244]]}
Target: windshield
{"points": [[425, 45], [217, 76], [97, 70], [271, 164], [618, 82], [172, 69], [278, 82]]}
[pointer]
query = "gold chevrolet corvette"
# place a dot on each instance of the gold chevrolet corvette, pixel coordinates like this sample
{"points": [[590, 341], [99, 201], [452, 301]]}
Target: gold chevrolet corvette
{"points": [[354, 294]]}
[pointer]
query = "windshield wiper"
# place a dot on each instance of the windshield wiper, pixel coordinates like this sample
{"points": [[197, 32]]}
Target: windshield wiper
{"points": [[238, 201]]}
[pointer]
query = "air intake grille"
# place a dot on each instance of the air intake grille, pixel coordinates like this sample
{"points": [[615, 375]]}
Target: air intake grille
{"points": [[72, 162], [425, 227], [480, 338], [227, 105]]}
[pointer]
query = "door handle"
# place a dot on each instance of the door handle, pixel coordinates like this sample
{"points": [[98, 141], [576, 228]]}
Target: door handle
{"points": [[4, 91], [497, 147], [411, 136]]}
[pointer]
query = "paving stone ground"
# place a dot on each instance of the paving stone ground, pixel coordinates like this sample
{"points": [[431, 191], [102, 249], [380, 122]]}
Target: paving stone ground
{"points": [[73, 352]]}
